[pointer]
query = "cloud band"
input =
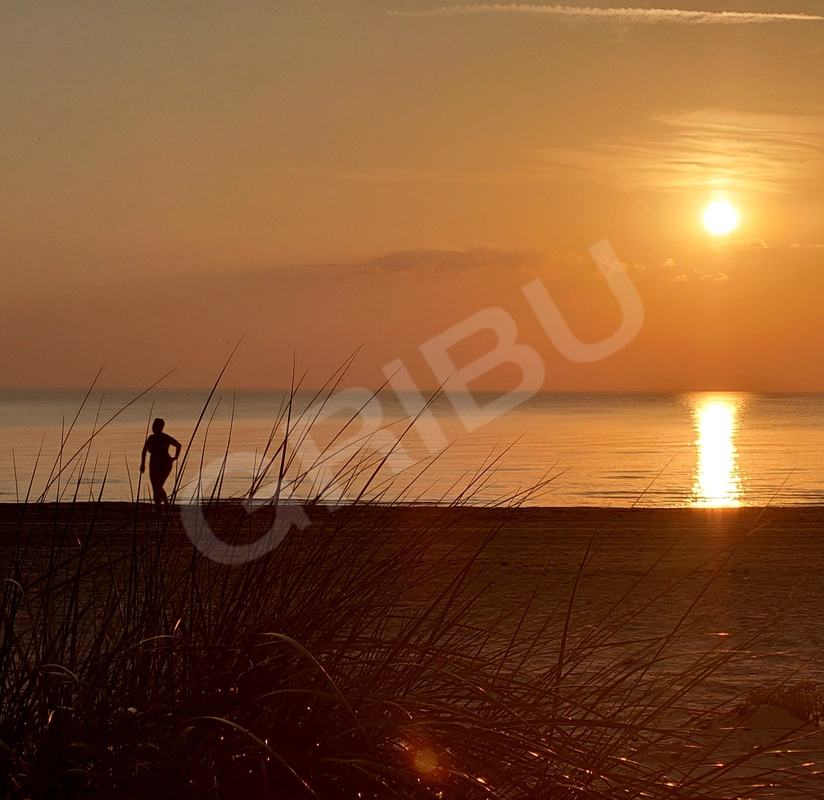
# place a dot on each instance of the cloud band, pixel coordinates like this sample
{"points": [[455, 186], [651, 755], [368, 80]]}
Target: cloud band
{"points": [[642, 15]]}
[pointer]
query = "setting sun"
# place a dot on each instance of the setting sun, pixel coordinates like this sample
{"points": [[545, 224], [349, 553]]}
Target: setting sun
{"points": [[720, 217]]}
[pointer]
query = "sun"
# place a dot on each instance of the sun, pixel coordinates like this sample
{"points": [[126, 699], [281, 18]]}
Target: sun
{"points": [[720, 217]]}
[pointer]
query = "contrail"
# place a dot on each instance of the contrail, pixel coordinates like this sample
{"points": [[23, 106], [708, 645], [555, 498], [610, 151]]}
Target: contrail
{"points": [[643, 15]]}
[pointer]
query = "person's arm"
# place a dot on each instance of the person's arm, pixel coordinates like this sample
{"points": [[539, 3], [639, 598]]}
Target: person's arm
{"points": [[143, 456], [176, 444]]}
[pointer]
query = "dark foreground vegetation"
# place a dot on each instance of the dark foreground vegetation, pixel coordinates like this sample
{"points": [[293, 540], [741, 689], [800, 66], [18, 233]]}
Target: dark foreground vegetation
{"points": [[368, 656]]}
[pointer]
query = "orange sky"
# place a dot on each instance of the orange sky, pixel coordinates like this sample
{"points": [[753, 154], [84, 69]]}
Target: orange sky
{"points": [[334, 175]]}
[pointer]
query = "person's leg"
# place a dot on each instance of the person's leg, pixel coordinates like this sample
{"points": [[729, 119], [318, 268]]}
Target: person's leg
{"points": [[163, 472], [158, 474], [157, 490]]}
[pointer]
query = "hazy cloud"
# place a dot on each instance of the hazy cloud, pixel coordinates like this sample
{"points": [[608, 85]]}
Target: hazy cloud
{"points": [[705, 149], [623, 15], [668, 264], [742, 247], [443, 176], [523, 260], [437, 260], [700, 275]]}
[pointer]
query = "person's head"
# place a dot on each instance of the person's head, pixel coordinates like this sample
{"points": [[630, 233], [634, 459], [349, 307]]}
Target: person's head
{"points": [[157, 425]]}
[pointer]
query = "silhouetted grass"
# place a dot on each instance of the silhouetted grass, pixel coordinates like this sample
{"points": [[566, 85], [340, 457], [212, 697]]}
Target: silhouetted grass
{"points": [[363, 657]]}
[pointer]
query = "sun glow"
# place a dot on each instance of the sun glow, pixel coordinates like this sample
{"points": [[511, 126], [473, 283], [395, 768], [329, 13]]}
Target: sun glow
{"points": [[716, 479], [720, 217]]}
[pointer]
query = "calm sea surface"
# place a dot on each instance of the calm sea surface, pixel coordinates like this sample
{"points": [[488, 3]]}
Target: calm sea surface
{"points": [[702, 449]]}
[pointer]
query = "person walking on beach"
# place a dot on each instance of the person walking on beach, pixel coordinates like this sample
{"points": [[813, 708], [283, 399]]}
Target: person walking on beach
{"points": [[160, 463]]}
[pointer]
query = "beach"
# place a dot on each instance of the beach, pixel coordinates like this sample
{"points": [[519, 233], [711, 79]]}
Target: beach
{"points": [[740, 588], [734, 575]]}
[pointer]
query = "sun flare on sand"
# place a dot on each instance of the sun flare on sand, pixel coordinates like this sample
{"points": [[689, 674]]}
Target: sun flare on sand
{"points": [[720, 217]]}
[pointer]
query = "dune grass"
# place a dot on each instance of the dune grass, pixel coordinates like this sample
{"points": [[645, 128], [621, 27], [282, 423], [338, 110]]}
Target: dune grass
{"points": [[361, 658]]}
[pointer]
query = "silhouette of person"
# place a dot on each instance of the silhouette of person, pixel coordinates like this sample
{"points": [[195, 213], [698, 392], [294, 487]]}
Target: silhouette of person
{"points": [[160, 463]]}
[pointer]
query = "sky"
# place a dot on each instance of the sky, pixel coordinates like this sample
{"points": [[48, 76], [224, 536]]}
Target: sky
{"points": [[308, 180]]}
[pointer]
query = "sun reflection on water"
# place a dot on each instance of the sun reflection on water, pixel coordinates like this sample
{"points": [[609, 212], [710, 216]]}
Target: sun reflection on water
{"points": [[717, 483]]}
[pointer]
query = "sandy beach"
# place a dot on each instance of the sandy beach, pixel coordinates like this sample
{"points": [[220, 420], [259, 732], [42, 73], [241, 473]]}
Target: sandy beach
{"points": [[737, 578], [743, 586]]}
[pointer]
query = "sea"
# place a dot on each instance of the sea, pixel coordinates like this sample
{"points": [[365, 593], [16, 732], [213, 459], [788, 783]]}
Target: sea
{"points": [[701, 449]]}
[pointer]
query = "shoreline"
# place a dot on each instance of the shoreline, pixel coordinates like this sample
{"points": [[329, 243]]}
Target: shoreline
{"points": [[445, 506]]}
